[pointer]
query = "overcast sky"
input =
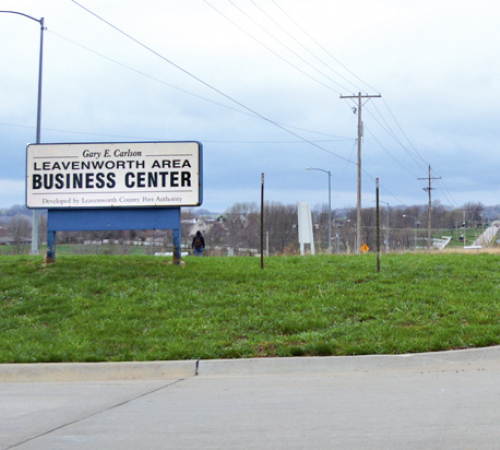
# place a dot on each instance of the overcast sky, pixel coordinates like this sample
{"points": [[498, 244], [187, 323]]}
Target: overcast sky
{"points": [[258, 83]]}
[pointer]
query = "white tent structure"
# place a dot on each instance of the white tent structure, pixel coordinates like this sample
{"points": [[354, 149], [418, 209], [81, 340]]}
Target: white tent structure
{"points": [[305, 227]]}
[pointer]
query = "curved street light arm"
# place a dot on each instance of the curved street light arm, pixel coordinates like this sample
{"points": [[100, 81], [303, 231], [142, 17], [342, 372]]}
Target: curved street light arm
{"points": [[40, 21], [316, 168]]}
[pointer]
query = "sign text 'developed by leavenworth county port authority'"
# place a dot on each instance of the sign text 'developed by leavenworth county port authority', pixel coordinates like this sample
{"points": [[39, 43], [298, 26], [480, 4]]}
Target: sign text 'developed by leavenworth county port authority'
{"points": [[103, 175]]}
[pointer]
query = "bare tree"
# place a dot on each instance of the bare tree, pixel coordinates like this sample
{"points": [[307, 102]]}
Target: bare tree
{"points": [[241, 221], [42, 228], [20, 229], [216, 236], [473, 212], [280, 222], [320, 220]]}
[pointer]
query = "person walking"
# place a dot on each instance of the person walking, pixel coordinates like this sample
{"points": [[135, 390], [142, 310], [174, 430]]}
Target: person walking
{"points": [[198, 244]]}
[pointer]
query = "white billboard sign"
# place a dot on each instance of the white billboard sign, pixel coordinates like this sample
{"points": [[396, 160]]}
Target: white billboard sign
{"points": [[103, 175]]}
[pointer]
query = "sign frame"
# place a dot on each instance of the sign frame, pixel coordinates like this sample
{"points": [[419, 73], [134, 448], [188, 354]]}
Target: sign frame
{"points": [[100, 175], [70, 215]]}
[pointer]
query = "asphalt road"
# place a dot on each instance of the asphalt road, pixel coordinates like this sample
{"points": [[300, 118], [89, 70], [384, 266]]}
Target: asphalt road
{"points": [[488, 235], [448, 400]]}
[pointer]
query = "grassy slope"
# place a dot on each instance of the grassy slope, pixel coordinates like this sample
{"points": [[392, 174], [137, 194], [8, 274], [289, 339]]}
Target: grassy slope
{"points": [[106, 308]]}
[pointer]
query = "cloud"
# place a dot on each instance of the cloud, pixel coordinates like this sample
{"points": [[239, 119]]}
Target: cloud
{"points": [[434, 62], [12, 192]]}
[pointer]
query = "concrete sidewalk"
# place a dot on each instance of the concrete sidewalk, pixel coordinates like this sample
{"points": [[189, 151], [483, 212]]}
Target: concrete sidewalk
{"points": [[45, 372], [445, 400]]}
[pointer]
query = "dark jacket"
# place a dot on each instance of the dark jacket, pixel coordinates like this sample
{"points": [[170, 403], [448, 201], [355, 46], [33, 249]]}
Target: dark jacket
{"points": [[198, 235]]}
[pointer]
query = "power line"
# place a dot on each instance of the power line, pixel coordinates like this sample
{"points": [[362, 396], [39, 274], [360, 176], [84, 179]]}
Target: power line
{"points": [[272, 142], [397, 123], [352, 73], [347, 165], [149, 49], [205, 83], [302, 45], [88, 133], [393, 135], [180, 89], [322, 48], [276, 124], [384, 188], [284, 45], [149, 76], [391, 132], [73, 132], [269, 49], [389, 153], [447, 192]]}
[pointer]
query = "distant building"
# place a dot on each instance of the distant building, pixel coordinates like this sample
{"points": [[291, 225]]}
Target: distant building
{"points": [[6, 240], [203, 224]]}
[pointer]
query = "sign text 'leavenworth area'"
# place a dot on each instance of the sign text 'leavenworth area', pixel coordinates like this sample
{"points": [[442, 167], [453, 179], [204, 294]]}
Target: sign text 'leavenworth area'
{"points": [[113, 175]]}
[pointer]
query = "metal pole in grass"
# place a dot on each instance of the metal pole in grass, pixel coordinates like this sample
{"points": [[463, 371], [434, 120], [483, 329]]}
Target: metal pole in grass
{"points": [[464, 229], [378, 227], [34, 234], [262, 224]]}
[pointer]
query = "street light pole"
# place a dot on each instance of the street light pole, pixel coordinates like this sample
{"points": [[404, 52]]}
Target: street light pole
{"points": [[329, 206], [404, 215], [34, 235]]}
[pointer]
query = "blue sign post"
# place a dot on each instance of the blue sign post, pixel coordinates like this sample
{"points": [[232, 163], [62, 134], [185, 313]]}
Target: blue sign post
{"points": [[113, 219]]}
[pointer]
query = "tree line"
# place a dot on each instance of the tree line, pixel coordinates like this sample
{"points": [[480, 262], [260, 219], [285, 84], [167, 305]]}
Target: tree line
{"points": [[239, 228]]}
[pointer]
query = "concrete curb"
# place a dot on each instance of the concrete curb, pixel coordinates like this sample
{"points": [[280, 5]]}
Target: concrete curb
{"points": [[324, 366], [295, 366], [46, 372]]}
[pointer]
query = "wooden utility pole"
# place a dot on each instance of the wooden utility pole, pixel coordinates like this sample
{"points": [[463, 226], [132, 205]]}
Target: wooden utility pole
{"points": [[429, 189], [360, 134]]}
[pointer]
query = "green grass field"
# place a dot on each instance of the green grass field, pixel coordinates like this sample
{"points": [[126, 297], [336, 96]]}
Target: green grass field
{"points": [[124, 308]]}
